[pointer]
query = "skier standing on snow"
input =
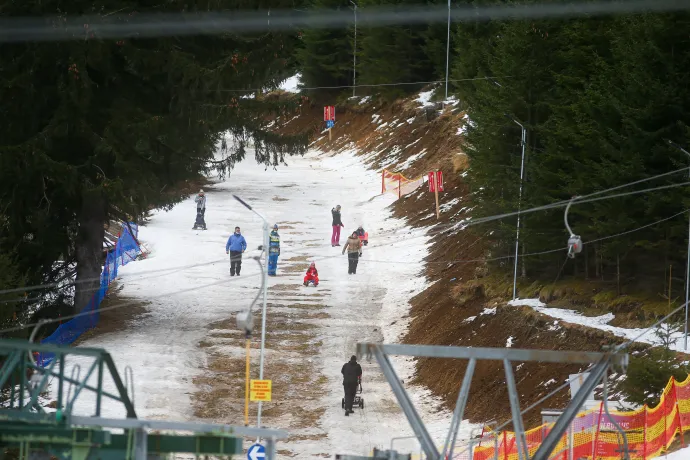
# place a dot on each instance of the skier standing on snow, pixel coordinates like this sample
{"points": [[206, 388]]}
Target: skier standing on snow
{"points": [[200, 201], [337, 223], [354, 250], [352, 373], [311, 275], [235, 246], [273, 251]]}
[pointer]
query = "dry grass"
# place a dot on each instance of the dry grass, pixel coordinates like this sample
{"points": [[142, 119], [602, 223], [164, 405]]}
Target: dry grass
{"points": [[277, 198], [296, 268], [284, 287], [298, 259]]}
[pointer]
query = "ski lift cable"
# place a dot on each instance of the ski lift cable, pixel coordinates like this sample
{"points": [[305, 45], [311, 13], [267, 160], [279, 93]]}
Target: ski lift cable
{"points": [[581, 200], [129, 303]]}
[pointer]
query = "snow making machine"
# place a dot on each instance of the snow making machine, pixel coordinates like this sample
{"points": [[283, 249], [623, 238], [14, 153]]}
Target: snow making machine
{"points": [[358, 401]]}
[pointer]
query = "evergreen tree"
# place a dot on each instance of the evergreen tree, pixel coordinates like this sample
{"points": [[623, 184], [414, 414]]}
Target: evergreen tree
{"points": [[98, 128], [325, 57]]}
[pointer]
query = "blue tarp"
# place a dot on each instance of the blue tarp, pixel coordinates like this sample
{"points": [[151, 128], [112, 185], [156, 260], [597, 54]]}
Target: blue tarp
{"points": [[126, 250]]}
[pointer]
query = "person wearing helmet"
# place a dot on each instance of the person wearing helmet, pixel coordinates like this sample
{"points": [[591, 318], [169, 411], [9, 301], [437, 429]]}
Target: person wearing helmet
{"points": [[273, 251], [200, 201], [312, 275]]}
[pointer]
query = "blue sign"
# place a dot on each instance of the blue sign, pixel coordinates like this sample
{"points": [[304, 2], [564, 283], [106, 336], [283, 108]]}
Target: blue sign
{"points": [[256, 452], [330, 123]]}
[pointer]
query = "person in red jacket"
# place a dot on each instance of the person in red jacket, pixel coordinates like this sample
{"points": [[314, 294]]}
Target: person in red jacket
{"points": [[312, 275]]}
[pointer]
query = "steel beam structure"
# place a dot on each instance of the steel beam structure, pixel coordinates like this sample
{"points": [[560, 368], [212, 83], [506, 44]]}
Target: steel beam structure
{"points": [[602, 362]]}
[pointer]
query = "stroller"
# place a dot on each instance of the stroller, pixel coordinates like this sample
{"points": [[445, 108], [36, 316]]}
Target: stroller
{"points": [[358, 401], [200, 222]]}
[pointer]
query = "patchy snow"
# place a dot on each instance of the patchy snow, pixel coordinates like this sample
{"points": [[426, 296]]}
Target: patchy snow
{"points": [[469, 319], [425, 98], [597, 322], [410, 121], [488, 311], [381, 126], [161, 346], [291, 85], [448, 206], [375, 118], [411, 159], [468, 123], [682, 454], [509, 342]]}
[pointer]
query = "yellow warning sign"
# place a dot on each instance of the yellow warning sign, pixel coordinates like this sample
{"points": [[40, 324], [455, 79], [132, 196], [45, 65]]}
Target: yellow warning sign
{"points": [[260, 390]]}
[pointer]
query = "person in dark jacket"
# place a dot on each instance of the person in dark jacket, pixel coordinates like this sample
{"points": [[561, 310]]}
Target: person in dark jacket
{"points": [[337, 223], [273, 251], [200, 201], [352, 373], [236, 245], [354, 250]]}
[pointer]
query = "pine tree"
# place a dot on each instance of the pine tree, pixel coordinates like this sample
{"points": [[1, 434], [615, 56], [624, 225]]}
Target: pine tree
{"points": [[99, 128], [325, 57]]}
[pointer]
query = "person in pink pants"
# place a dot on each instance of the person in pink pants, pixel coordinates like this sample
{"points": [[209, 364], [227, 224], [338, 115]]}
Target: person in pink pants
{"points": [[337, 223]]}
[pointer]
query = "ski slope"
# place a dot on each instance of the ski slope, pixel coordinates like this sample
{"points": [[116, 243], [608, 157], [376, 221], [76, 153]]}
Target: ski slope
{"points": [[195, 301]]}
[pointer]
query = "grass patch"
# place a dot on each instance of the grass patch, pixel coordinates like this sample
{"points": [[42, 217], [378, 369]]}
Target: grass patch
{"points": [[277, 198]]}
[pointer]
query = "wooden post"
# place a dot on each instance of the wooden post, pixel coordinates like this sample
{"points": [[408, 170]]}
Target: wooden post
{"points": [[438, 213], [399, 185], [383, 182], [329, 134]]}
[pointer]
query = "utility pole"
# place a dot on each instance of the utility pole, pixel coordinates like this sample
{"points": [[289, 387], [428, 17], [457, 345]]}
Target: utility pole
{"points": [[517, 232], [447, 51], [687, 268], [354, 54]]}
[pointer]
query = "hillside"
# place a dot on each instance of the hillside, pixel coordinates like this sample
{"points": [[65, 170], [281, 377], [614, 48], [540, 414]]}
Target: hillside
{"points": [[465, 302]]}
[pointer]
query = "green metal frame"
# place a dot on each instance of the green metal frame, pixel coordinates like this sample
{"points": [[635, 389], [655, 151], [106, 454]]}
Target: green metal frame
{"points": [[18, 362], [93, 443], [28, 427]]}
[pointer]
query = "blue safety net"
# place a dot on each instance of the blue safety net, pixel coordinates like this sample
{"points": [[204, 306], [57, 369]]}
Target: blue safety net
{"points": [[126, 250]]}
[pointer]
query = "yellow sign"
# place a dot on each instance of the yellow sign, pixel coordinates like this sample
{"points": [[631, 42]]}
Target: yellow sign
{"points": [[260, 390]]}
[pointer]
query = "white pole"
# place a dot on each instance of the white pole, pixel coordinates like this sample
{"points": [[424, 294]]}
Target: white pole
{"points": [[263, 316], [265, 291], [517, 232], [447, 50], [687, 268]]}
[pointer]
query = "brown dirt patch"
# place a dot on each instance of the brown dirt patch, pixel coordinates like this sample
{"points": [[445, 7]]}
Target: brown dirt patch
{"points": [[277, 198]]}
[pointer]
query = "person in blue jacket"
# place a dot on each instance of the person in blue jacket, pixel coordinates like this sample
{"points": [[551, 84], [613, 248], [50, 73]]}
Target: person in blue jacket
{"points": [[235, 246], [273, 251]]}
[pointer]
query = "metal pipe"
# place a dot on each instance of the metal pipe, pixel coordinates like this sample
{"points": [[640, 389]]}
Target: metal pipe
{"points": [[517, 231], [265, 293]]}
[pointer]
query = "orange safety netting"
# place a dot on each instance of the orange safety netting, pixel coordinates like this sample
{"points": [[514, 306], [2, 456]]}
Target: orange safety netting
{"points": [[650, 431], [392, 182]]}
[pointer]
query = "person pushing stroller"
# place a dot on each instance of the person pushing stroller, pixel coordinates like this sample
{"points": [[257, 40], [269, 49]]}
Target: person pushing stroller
{"points": [[352, 374]]}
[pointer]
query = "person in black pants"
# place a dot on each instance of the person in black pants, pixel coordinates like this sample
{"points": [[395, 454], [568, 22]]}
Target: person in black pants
{"points": [[354, 250], [352, 372], [235, 246]]}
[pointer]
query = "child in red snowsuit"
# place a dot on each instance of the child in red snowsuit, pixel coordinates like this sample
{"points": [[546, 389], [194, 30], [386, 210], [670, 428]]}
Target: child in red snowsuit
{"points": [[312, 275]]}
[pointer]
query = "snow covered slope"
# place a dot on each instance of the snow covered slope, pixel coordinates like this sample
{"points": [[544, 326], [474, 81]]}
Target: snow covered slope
{"points": [[185, 353]]}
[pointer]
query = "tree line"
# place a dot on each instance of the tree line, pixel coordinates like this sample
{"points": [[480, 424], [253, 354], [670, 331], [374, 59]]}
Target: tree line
{"points": [[97, 129], [599, 98]]}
